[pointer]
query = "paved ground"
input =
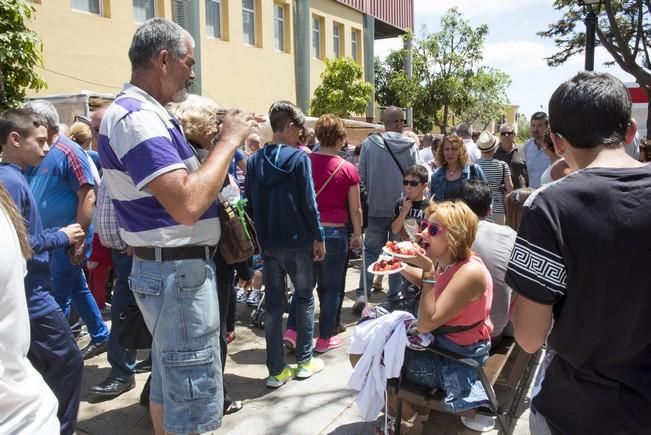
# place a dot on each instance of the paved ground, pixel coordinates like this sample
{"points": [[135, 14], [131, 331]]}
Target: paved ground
{"points": [[320, 405]]}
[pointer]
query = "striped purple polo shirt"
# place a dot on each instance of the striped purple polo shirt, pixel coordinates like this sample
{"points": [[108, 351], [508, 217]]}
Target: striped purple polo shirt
{"points": [[139, 141]]}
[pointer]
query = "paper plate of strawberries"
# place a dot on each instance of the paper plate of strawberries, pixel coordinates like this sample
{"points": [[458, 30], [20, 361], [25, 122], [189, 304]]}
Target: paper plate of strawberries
{"points": [[401, 249], [386, 265]]}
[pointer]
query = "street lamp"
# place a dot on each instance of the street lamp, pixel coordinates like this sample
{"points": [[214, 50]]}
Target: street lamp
{"points": [[590, 30]]}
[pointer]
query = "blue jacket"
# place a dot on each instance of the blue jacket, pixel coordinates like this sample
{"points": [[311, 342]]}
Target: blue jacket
{"points": [[439, 182], [37, 281], [281, 198]]}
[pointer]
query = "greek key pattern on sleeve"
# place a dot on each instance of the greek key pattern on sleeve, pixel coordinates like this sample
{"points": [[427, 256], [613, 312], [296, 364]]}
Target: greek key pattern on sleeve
{"points": [[538, 265]]}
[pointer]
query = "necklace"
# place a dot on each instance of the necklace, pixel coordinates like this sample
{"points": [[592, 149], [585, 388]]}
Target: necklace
{"points": [[451, 172]]}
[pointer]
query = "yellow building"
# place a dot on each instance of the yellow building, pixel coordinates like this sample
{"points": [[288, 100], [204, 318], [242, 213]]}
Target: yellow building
{"points": [[250, 52]]}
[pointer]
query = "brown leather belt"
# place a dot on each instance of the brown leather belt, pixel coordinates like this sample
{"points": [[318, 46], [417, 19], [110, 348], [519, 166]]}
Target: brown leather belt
{"points": [[172, 254]]}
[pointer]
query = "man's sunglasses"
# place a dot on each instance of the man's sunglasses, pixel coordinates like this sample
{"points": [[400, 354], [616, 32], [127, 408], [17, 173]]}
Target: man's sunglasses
{"points": [[507, 133], [412, 183], [433, 229]]}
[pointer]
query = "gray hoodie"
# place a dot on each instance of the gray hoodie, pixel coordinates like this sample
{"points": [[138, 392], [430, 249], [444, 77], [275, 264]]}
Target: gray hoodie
{"points": [[379, 172]]}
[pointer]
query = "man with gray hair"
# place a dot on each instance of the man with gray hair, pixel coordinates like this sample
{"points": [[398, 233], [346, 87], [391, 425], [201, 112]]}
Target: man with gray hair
{"points": [[464, 131], [166, 210], [63, 187], [382, 163]]}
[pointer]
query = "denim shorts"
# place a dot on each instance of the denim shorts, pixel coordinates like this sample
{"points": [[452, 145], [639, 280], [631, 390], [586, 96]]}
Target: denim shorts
{"points": [[179, 303]]}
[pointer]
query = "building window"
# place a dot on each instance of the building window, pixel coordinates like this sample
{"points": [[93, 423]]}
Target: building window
{"points": [[316, 37], [214, 18], [354, 44], [279, 27], [143, 10], [336, 39], [248, 21], [90, 6]]}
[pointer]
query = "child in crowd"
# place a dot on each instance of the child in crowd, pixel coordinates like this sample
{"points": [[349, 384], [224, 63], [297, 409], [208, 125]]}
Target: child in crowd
{"points": [[413, 203], [409, 212]]}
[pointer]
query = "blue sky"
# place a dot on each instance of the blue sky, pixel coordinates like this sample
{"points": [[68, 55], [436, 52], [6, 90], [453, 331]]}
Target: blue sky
{"points": [[512, 45]]}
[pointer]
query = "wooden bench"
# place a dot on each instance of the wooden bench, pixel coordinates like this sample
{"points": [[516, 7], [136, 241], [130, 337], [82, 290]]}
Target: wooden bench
{"points": [[507, 362]]}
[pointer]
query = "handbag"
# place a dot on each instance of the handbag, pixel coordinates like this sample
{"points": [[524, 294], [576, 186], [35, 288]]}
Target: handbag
{"points": [[134, 334], [238, 241]]}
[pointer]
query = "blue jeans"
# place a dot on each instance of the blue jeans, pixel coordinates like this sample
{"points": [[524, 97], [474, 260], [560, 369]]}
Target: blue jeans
{"points": [[179, 303], [69, 285], [461, 384], [377, 233], [122, 361], [327, 276], [298, 264], [54, 353]]}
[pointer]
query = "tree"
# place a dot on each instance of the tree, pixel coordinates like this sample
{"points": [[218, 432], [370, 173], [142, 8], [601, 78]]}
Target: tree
{"points": [[20, 51], [624, 29], [448, 84], [342, 91], [524, 129]]}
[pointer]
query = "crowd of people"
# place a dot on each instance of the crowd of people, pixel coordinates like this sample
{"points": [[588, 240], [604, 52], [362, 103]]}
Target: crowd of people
{"points": [[542, 242]]}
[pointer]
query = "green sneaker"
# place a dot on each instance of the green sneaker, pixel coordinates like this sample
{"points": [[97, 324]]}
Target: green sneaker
{"points": [[309, 368], [279, 380]]}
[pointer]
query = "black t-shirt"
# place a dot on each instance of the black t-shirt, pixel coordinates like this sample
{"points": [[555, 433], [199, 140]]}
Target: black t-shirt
{"points": [[417, 209], [584, 246], [517, 163]]}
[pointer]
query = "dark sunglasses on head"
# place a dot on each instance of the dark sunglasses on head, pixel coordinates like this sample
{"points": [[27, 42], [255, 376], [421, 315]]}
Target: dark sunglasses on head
{"points": [[433, 229], [412, 183], [507, 133]]}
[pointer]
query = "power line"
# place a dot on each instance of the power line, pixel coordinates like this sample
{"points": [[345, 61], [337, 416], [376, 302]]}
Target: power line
{"points": [[106, 86], [79, 79]]}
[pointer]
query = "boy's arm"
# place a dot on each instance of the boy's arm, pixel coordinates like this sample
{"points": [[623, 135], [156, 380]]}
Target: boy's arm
{"points": [[400, 214], [49, 240]]}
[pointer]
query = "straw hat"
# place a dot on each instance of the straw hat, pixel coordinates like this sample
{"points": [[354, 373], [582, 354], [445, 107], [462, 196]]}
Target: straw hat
{"points": [[486, 141]]}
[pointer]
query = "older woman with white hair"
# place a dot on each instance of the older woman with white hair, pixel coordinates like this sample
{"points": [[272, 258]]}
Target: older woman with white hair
{"points": [[199, 121]]}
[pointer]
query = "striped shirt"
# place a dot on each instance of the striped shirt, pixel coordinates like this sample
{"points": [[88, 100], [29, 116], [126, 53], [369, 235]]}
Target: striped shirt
{"points": [[140, 141], [495, 171]]}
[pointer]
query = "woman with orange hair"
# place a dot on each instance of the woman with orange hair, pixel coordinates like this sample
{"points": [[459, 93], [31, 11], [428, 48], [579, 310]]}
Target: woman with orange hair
{"points": [[455, 305]]}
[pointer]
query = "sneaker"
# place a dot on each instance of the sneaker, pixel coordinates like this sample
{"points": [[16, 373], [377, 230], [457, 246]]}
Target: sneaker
{"points": [[254, 298], [359, 305], [325, 344], [289, 339], [241, 295], [309, 368], [280, 379]]}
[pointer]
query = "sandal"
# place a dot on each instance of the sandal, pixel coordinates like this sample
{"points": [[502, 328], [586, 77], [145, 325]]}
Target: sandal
{"points": [[234, 406]]}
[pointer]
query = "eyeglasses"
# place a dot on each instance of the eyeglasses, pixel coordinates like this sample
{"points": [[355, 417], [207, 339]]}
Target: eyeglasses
{"points": [[432, 228], [507, 133], [412, 183]]}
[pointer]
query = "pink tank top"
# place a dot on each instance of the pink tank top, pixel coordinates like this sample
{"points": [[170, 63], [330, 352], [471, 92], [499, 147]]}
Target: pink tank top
{"points": [[474, 312]]}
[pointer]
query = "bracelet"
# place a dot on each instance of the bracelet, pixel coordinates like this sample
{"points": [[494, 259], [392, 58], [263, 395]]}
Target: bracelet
{"points": [[428, 281]]}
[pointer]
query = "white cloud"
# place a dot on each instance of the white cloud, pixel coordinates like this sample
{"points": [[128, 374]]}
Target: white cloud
{"points": [[473, 8], [516, 56]]}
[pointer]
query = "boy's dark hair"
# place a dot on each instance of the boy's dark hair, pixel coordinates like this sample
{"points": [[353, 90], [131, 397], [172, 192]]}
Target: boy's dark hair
{"points": [[478, 197], [22, 121], [282, 113], [591, 109], [419, 172], [436, 142], [540, 115]]}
